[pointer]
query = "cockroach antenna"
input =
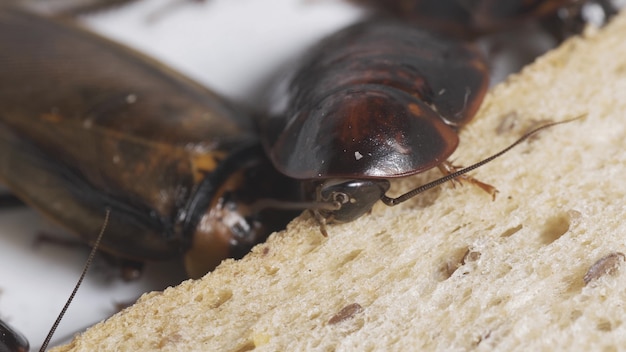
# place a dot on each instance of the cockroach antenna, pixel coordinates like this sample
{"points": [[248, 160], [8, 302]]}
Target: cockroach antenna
{"points": [[92, 254], [395, 201]]}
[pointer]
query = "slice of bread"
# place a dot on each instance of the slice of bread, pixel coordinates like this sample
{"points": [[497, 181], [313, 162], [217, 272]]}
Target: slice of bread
{"points": [[539, 268]]}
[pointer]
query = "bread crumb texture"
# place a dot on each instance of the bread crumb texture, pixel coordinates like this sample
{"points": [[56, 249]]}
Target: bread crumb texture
{"points": [[540, 268]]}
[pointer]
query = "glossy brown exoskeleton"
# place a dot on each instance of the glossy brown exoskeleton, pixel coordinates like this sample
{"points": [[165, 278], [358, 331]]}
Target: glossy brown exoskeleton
{"points": [[475, 17], [377, 100], [11, 340], [87, 124]]}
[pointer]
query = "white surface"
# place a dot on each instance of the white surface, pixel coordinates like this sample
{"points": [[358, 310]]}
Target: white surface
{"points": [[230, 45]]}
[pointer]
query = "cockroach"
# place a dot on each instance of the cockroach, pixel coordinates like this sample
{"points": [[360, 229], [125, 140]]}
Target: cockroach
{"points": [[470, 19], [474, 16], [11, 340], [375, 101], [88, 124]]}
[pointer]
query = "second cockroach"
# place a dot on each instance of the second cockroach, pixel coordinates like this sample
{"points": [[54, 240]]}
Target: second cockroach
{"points": [[86, 124], [469, 19], [12, 340]]}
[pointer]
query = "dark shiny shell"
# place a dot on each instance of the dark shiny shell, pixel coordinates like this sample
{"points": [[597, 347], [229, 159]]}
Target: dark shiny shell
{"points": [[87, 124], [11, 340], [375, 100], [472, 17]]}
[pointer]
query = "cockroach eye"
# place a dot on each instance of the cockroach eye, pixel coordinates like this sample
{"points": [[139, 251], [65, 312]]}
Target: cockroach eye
{"points": [[354, 197], [341, 198]]}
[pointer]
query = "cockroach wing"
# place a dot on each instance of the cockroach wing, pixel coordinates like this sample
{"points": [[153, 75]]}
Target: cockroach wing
{"points": [[87, 124]]}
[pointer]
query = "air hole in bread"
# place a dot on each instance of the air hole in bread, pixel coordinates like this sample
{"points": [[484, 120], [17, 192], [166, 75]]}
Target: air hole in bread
{"points": [[502, 270], [574, 216], [508, 122], [169, 340], [511, 231], [247, 346], [217, 299], [346, 313], [270, 270], [471, 255], [451, 263], [604, 325], [481, 338], [573, 285], [497, 301], [554, 228], [350, 257]]}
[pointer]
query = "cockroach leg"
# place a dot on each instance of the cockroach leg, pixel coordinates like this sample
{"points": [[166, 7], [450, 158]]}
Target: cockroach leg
{"points": [[129, 270], [448, 168]]}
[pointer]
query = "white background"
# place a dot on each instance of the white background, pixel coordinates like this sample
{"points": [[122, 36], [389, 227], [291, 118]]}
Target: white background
{"points": [[232, 46]]}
